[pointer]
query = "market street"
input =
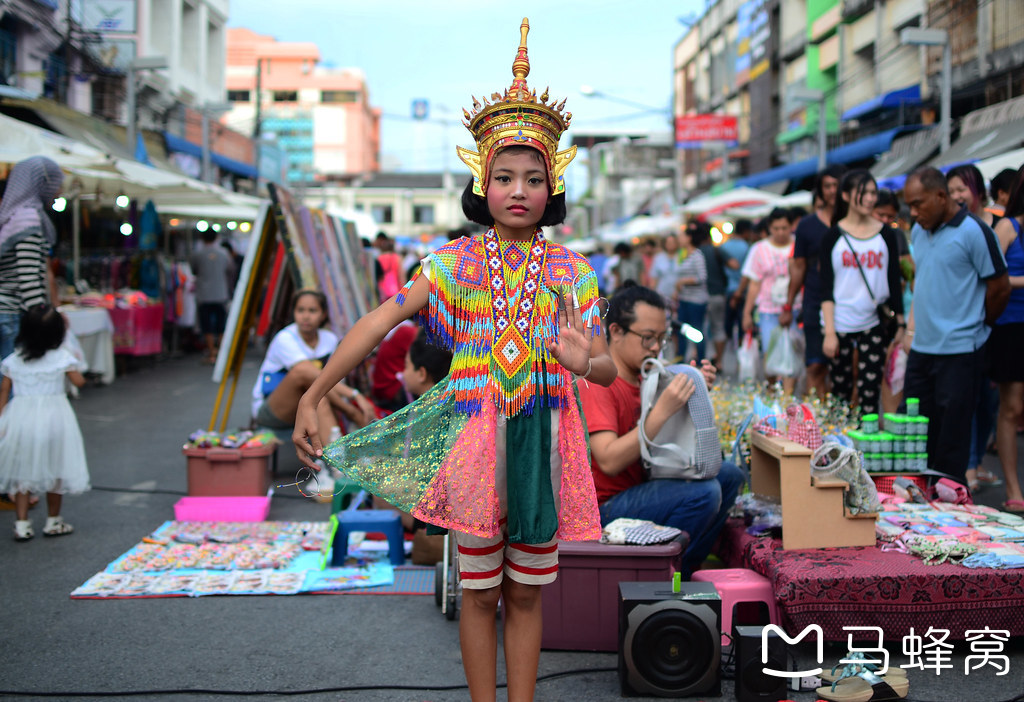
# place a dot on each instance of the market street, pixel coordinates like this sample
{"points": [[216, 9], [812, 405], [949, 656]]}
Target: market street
{"points": [[133, 431]]}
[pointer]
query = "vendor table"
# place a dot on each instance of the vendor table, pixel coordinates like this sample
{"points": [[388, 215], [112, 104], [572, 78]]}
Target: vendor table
{"points": [[138, 331], [865, 586], [95, 333]]}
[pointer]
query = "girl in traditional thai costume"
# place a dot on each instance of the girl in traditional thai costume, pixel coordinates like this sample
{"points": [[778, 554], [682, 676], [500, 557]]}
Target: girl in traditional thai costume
{"points": [[497, 451]]}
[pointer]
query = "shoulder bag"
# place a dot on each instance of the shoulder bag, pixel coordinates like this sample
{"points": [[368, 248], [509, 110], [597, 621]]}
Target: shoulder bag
{"points": [[687, 447], [886, 317]]}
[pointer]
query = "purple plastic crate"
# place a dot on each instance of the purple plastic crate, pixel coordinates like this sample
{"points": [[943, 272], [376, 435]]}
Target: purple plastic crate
{"points": [[581, 608]]}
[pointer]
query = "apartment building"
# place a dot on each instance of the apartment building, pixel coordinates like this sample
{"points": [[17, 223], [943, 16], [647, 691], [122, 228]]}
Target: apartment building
{"points": [[320, 117]]}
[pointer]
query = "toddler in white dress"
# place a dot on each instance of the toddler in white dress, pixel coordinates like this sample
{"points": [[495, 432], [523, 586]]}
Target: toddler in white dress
{"points": [[41, 448]]}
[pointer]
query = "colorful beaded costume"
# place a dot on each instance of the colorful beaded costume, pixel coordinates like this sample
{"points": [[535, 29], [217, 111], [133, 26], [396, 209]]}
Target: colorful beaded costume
{"points": [[506, 401]]}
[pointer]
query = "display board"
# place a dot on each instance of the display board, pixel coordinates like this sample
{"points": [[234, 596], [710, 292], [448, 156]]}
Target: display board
{"points": [[294, 248]]}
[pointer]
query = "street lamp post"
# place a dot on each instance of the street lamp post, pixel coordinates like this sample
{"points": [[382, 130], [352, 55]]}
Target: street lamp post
{"points": [[916, 36], [143, 63], [807, 95]]}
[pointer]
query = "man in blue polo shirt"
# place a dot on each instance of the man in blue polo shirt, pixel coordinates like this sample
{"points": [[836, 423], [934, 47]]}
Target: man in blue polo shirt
{"points": [[961, 288]]}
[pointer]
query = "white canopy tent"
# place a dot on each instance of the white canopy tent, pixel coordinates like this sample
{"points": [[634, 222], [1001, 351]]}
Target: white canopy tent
{"points": [[93, 175], [990, 167], [801, 198], [709, 205]]}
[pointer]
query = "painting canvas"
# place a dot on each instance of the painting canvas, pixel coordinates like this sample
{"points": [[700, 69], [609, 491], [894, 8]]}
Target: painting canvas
{"points": [[290, 229]]}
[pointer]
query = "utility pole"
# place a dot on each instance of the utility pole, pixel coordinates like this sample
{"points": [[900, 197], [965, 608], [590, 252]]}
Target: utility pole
{"points": [[259, 98], [67, 55]]}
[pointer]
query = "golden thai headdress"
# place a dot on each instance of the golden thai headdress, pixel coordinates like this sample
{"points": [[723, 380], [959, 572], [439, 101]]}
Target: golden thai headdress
{"points": [[517, 118]]}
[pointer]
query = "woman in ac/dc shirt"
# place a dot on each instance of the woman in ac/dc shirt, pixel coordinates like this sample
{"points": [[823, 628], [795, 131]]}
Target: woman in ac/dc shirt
{"points": [[849, 310]]}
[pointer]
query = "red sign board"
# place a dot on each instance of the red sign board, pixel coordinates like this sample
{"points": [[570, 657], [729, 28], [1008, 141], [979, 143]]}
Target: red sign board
{"points": [[692, 131]]}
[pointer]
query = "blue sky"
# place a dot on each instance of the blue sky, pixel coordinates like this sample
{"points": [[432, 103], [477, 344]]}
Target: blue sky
{"points": [[447, 50]]}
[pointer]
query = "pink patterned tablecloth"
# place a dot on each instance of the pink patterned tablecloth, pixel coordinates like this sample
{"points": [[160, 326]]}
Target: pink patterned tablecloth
{"points": [[138, 331], [865, 586]]}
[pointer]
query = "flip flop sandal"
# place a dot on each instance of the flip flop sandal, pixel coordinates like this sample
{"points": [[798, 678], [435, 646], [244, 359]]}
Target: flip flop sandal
{"points": [[1014, 506], [829, 677], [987, 478], [865, 687]]}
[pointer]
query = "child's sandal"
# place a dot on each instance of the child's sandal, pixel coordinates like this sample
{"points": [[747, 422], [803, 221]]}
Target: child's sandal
{"points": [[56, 526], [23, 530]]}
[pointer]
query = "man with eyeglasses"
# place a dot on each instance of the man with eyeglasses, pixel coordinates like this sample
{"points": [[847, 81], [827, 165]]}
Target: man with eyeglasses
{"points": [[637, 329]]}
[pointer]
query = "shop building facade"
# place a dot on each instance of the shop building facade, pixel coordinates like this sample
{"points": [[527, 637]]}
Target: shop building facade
{"points": [[750, 59]]}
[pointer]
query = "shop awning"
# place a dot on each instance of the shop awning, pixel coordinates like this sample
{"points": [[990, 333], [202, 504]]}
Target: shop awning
{"points": [[86, 129], [859, 150], [911, 95], [987, 132], [790, 171], [20, 140], [907, 153], [177, 143]]}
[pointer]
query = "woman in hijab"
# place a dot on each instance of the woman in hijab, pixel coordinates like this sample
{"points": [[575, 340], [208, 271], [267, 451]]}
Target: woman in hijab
{"points": [[26, 237]]}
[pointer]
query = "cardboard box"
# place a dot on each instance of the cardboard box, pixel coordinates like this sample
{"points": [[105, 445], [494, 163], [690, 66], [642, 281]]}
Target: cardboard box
{"points": [[581, 608], [216, 472]]}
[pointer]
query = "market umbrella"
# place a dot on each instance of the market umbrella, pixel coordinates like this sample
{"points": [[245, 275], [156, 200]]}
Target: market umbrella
{"points": [[708, 205]]}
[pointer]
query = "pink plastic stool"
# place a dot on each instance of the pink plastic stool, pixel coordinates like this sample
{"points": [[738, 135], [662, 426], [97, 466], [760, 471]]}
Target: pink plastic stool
{"points": [[737, 586]]}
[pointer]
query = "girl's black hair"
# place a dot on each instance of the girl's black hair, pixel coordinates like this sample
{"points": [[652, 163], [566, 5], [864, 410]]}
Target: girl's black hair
{"points": [[436, 360], [887, 198], [42, 329], [1015, 207], [320, 298], [853, 183], [622, 306], [1002, 182], [475, 207]]}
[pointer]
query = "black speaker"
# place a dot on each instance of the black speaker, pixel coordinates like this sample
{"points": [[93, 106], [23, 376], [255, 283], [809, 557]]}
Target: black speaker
{"points": [[752, 685], [669, 643]]}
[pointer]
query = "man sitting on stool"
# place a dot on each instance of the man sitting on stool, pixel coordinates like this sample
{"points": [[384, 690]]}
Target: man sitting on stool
{"points": [[637, 329]]}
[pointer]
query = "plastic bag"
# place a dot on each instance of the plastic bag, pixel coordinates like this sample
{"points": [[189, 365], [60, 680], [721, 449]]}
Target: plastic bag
{"points": [[746, 358], [896, 370], [780, 357]]}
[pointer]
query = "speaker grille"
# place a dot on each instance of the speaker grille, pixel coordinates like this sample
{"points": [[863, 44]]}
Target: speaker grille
{"points": [[672, 648]]}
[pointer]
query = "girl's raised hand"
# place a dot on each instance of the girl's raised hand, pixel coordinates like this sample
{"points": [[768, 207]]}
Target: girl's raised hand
{"points": [[572, 348], [306, 436]]}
